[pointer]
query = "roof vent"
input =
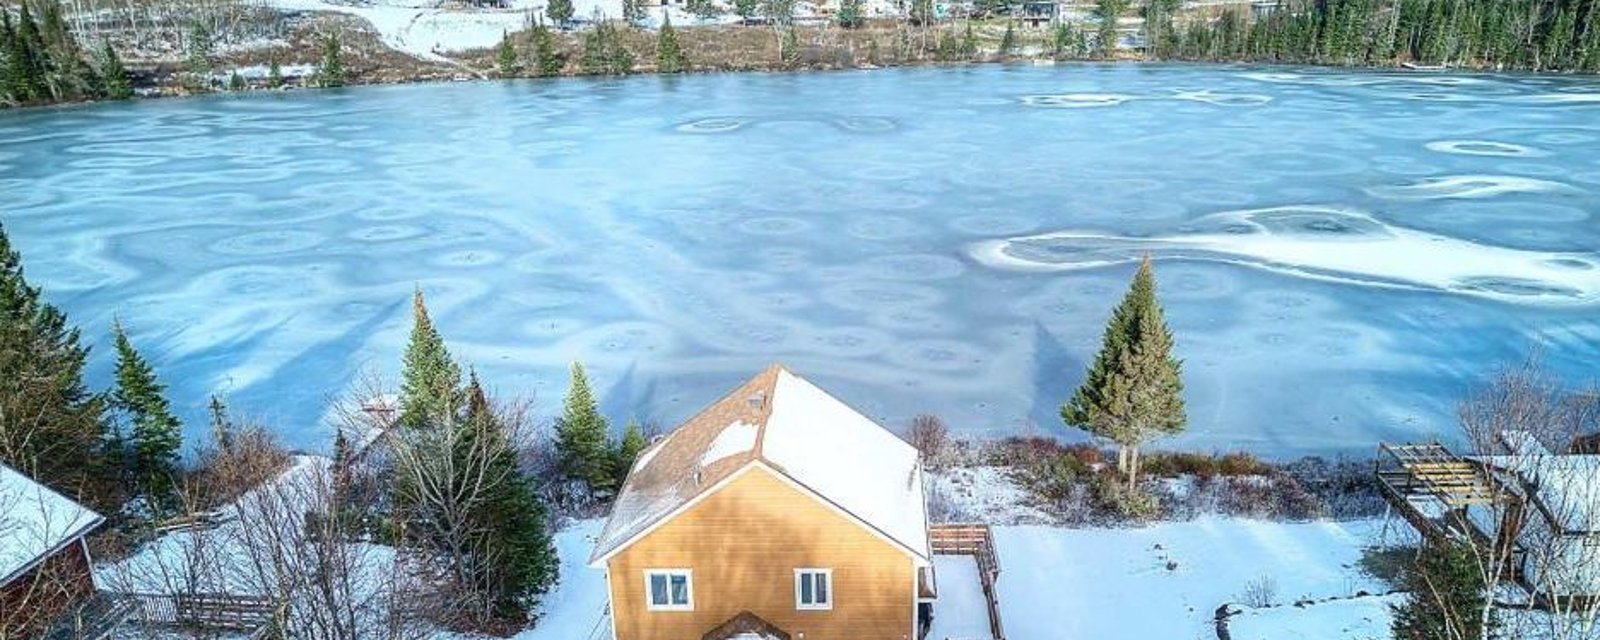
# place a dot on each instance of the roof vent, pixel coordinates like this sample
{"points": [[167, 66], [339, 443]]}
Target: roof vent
{"points": [[757, 400], [698, 476]]}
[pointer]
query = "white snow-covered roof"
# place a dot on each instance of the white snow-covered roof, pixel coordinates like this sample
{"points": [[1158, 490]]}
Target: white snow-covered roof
{"points": [[1567, 486], [794, 428], [35, 522]]}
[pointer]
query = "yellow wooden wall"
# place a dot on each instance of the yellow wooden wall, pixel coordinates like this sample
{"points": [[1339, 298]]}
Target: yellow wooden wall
{"points": [[744, 543]]}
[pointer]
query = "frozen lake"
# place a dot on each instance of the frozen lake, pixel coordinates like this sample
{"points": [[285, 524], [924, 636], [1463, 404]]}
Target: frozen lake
{"points": [[1340, 253]]}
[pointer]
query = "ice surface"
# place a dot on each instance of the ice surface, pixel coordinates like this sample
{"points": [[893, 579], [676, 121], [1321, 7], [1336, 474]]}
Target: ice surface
{"points": [[266, 247]]}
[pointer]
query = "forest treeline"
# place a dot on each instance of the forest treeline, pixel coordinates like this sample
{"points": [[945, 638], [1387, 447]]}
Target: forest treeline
{"points": [[1535, 35], [41, 61]]}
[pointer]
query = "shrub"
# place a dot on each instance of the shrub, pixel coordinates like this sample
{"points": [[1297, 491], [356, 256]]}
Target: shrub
{"points": [[931, 437]]}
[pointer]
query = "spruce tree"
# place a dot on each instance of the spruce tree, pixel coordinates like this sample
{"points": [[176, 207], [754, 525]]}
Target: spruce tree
{"points": [[1108, 12], [852, 13], [330, 68], [51, 426], [506, 57], [669, 55], [1446, 596], [430, 380], [236, 82], [517, 559], [1008, 42], [222, 431], [560, 11], [140, 399], [274, 73], [1133, 390], [32, 57], [546, 62], [582, 437], [628, 449], [118, 85]]}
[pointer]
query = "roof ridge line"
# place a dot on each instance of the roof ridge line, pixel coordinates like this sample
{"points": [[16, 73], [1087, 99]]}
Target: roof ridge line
{"points": [[759, 452]]}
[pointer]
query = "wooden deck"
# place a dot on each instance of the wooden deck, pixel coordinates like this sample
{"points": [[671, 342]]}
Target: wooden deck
{"points": [[976, 540]]}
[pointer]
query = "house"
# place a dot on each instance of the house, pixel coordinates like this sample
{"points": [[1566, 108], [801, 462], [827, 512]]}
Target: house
{"points": [[44, 561], [1535, 511], [776, 512]]}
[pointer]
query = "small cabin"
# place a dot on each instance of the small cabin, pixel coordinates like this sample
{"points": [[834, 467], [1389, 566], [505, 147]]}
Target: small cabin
{"points": [[44, 562], [776, 512]]}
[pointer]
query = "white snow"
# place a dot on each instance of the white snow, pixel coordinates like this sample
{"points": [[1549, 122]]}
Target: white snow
{"points": [[1080, 583], [34, 522], [1363, 618], [737, 438], [961, 610], [575, 609], [1336, 244], [846, 457], [984, 494]]}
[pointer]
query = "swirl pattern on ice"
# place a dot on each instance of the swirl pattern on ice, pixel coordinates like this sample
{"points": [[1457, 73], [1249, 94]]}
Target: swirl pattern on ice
{"points": [[1325, 243], [1483, 186], [1486, 148]]}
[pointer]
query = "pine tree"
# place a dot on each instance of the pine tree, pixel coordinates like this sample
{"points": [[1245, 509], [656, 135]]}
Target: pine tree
{"points": [[274, 74], [633, 12], [517, 559], [140, 399], [704, 9], [603, 52], [13, 71], [222, 432], [560, 11], [118, 85], [746, 9], [628, 449], [1008, 42], [969, 44], [430, 380], [1446, 596], [51, 427], [582, 436], [330, 68], [236, 82], [32, 58], [198, 51], [852, 13], [1108, 12], [1133, 390], [506, 57], [546, 62], [669, 55]]}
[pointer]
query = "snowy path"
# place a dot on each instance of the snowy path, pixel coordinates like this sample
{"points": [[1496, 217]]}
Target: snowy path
{"points": [[961, 611]]}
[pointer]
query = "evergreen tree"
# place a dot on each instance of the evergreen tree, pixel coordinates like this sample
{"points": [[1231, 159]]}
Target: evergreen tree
{"points": [[1008, 42], [582, 436], [669, 55], [1133, 390], [274, 73], [140, 398], [560, 11], [516, 559], [506, 57], [198, 51], [1446, 596], [330, 68], [969, 44], [31, 57], [704, 9], [746, 9], [51, 427], [236, 82], [852, 13], [628, 449], [604, 53], [633, 12], [118, 85], [1108, 12], [430, 379], [222, 432], [545, 60]]}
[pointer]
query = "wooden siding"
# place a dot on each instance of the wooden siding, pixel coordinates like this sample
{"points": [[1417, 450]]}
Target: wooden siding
{"points": [[743, 544]]}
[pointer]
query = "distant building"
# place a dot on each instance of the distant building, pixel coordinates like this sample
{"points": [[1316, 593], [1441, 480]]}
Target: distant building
{"points": [[776, 512], [1262, 9], [44, 561]]}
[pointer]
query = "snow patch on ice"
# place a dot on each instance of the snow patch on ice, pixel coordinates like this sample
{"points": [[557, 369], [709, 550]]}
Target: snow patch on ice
{"points": [[1485, 148], [1324, 243], [1481, 186], [1077, 100]]}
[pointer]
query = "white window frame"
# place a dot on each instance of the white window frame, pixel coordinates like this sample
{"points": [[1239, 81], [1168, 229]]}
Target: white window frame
{"points": [[669, 574], [827, 574]]}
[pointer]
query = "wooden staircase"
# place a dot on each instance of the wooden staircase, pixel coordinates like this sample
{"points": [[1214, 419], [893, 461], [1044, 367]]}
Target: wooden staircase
{"points": [[976, 540]]}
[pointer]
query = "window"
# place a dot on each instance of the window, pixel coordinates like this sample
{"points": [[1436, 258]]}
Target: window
{"points": [[669, 589], [813, 589]]}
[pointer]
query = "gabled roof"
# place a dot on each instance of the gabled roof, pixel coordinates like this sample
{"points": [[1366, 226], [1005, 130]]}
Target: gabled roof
{"points": [[35, 523], [783, 422]]}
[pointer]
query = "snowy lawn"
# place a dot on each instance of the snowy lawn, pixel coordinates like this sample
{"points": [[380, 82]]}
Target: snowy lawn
{"points": [[1167, 580], [1365, 618], [575, 609]]}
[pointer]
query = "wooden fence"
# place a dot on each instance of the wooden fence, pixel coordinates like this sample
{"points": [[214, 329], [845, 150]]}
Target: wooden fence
{"points": [[203, 610]]}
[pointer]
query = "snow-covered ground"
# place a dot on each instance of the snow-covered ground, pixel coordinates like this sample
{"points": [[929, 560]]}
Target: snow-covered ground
{"points": [[1363, 618], [981, 494], [961, 611], [1166, 581], [575, 609]]}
